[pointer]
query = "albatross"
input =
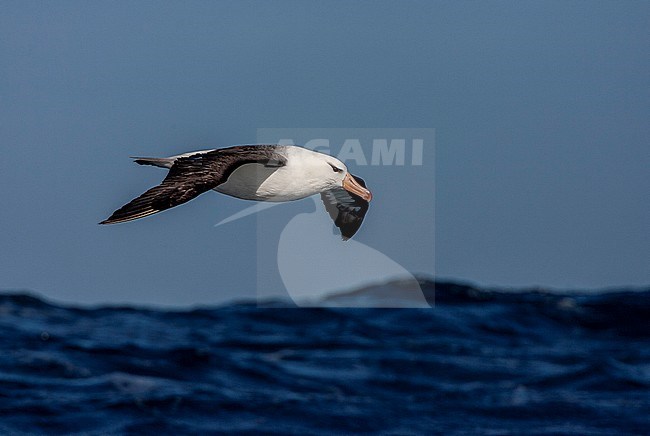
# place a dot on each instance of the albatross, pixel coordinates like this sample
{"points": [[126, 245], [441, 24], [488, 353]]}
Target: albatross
{"points": [[266, 172]]}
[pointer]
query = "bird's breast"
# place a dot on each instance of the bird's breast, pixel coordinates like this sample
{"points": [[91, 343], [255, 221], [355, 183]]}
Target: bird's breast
{"points": [[261, 183]]}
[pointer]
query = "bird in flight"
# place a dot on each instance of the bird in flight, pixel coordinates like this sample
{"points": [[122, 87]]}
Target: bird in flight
{"points": [[255, 172]]}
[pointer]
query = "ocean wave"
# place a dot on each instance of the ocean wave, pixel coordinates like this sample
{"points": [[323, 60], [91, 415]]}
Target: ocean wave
{"points": [[479, 361]]}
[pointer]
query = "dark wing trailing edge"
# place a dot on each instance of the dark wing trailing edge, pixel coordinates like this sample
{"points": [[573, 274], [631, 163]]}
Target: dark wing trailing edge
{"points": [[190, 177], [346, 209]]}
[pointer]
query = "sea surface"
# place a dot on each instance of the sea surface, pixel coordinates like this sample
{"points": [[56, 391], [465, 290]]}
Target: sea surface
{"points": [[478, 362]]}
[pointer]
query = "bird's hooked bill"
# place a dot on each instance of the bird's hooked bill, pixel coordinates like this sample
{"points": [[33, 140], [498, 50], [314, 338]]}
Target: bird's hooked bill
{"points": [[351, 185]]}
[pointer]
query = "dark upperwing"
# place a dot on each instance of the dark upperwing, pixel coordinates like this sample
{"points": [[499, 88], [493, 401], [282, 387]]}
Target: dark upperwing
{"points": [[346, 209]]}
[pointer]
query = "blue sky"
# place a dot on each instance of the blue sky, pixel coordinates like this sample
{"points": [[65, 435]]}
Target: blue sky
{"points": [[540, 111]]}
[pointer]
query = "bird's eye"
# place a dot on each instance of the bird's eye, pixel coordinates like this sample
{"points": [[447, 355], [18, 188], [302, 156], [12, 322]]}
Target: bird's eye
{"points": [[336, 169]]}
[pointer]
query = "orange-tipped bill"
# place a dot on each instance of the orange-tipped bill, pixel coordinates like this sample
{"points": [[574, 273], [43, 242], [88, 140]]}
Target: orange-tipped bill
{"points": [[351, 185]]}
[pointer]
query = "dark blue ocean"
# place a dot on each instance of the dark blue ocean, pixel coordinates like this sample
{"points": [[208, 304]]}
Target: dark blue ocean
{"points": [[479, 362]]}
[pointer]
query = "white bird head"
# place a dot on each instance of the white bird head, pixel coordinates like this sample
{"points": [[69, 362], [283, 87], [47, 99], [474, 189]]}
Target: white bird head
{"points": [[329, 172]]}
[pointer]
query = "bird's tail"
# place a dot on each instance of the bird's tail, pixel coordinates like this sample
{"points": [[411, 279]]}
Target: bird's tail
{"points": [[162, 162]]}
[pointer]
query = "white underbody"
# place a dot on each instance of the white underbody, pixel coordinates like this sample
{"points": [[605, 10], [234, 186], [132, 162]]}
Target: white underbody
{"points": [[257, 182]]}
